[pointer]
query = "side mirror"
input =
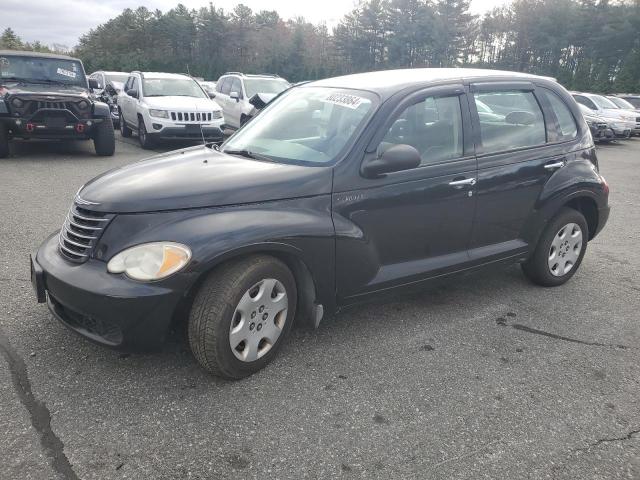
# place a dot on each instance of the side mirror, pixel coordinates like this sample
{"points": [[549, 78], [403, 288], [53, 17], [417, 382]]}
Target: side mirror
{"points": [[132, 92], [235, 96], [93, 83], [394, 159], [212, 95]]}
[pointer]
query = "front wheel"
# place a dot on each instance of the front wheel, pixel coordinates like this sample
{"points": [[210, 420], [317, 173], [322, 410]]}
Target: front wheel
{"points": [[241, 316], [104, 138], [145, 141], [560, 249]]}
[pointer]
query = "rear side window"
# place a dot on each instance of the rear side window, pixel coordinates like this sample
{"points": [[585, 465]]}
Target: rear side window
{"points": [[236, 86], [567, 124], [226, 86], [509, 120], [585, 101]]}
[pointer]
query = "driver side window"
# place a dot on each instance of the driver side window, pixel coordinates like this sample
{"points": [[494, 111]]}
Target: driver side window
{"points": [[432, 126]]}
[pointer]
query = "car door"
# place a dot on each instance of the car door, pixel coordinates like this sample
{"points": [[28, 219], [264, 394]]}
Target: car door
{"points": [[235, 105], [222, 97], [410, 225], [517, 154], [124, 101]]}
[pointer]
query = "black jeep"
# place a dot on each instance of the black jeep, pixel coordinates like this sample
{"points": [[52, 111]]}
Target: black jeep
{"points": [[47, 96]]}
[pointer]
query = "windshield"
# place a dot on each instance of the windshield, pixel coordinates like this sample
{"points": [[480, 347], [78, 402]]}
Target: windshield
{"points": [[166, 87], [635, 101], [42, 70], [308, 125], [116, 77], [264, 85], [603, 102], [622, 103]]}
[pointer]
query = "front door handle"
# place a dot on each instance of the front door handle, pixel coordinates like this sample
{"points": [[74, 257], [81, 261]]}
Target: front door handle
{"points": [[465, 181], [554, 165]]}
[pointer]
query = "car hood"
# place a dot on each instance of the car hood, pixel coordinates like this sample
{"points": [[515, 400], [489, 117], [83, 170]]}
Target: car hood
{"points": [[200, 177], [618, 114], [43, 90], [190, 104]]}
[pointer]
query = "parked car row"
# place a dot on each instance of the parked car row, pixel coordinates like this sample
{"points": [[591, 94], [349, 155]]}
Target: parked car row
{"points": [[608, 117], [165, 106]]}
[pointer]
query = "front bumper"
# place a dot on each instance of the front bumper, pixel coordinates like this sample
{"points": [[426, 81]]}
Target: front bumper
{"points": [[111, 310], [184, 133], [47, 129]]}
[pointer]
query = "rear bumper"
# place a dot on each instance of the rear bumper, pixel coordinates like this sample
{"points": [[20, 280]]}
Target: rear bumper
{"points": [[108, 309]]}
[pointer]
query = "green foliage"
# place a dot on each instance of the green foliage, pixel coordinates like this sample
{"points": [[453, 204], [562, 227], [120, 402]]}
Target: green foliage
{"points": [[585, 44]]}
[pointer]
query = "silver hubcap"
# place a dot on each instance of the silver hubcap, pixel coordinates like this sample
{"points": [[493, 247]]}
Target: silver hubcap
{"points": [[565, 249], [258, 320]]}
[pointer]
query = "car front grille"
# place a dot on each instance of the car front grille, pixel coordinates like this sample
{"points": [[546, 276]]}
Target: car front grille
{"points": [[195, 117], [81, 231], [30, 106]]}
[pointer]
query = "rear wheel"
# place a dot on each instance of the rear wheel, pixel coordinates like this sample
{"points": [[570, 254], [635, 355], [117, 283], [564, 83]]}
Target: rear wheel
{"points": [[241, 316], [145, 141], [125, 131], [4, 142], [560, 249], [104, 138]]}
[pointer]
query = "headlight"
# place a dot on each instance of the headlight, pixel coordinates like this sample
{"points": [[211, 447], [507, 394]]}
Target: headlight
{"points": [[150, 261], [158, 113], [82, 104], [16, 102], [217, 114]]}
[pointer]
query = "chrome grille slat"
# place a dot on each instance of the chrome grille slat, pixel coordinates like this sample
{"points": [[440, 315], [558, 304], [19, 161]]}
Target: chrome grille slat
{"points": [[195, 117], [80, 233]]}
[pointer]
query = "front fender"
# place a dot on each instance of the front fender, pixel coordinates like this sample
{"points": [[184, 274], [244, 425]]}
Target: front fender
{"points": [[301, 228]]}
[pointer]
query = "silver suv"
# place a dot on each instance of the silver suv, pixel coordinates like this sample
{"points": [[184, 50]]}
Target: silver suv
{"points": [[234, 90]]}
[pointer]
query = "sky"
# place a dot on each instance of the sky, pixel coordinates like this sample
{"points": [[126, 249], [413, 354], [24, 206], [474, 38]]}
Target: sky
{"points": [[64, 21]]}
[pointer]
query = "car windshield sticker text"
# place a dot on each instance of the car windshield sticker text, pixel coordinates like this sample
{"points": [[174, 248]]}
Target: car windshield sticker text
{"points": [[66, 73], [344, 100]]}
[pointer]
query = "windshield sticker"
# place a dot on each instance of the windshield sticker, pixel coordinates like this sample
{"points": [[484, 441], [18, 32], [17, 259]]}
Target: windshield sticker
{"points": [[344, 100], [66, 73]]}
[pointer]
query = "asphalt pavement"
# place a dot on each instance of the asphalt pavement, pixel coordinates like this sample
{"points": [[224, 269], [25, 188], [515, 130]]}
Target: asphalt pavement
{"points": [[487, 376]]}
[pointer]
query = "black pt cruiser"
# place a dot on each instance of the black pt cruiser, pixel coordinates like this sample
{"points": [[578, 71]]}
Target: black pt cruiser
{"points": [[341, 190]]}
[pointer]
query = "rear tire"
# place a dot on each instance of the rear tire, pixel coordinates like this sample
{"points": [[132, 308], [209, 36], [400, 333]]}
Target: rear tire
{"points": [[4, 142], [125, 131], [560, 249], [104, 139], [145, 141], [238, 308]]}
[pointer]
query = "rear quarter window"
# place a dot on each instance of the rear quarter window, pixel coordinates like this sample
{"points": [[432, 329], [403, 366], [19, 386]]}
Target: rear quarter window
{"points": [[566, 122]]}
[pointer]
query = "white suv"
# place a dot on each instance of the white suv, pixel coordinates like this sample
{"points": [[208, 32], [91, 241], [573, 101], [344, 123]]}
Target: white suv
{"points": [[234, 90], [167, 106]]}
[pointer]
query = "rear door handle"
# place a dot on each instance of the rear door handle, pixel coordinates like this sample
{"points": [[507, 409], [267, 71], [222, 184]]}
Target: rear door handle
{"points": [[465, 181], [554, 165]]}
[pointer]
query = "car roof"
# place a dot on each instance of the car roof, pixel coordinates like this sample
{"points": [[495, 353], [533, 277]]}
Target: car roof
{"points": [[25, 53], [387, 82], [158, 75]]}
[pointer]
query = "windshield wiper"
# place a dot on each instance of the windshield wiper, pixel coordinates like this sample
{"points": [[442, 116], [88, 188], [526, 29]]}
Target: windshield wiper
{"points": [[248, 154]]}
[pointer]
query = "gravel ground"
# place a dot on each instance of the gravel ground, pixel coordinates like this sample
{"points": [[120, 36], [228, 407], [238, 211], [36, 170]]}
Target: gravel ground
{"points": [[486, 377]]}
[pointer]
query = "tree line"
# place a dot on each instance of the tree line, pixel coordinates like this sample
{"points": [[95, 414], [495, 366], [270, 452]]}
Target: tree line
{"points": [[586, 44]]}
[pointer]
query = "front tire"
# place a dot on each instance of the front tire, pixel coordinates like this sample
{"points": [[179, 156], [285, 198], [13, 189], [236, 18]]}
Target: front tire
{"points": [[560, 249], [4, 142], [125, 131], [241, 316], [145, 141], [104, 139]]}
